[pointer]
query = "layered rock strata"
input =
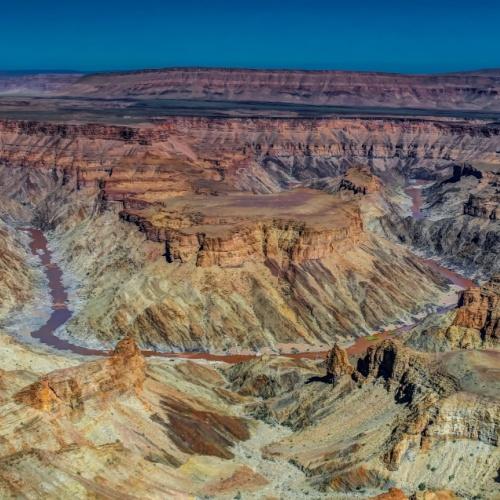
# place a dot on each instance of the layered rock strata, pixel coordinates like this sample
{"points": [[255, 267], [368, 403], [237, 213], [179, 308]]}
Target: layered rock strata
{"points": [[474, 324], [68, 389], [396, 417], [95, 428], [243, 228], [209, 155], [457, 91]]}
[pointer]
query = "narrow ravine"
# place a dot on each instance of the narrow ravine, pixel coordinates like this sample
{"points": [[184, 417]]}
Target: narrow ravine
{"points": [[61, 311]]}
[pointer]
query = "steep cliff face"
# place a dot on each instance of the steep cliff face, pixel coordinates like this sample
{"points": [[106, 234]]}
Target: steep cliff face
{"points": [[291, 227], [178, 181], [259, 155], [479, 309], [218, 195], [474, 324], [251, 234], [459, 91]]}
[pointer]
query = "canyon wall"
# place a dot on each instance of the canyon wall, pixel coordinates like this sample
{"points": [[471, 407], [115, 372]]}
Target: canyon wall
{"points": [[459, 220], [258, 155], [238, 252]]}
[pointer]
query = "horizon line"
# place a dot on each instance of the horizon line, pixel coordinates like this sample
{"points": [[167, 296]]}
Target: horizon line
{"points": [[146, 69]]}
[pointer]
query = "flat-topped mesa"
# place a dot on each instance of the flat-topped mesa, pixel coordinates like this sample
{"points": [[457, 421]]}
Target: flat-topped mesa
{"points": [[290, 227], [349, 88], [69, 389], [280, 241], [479, 309]]}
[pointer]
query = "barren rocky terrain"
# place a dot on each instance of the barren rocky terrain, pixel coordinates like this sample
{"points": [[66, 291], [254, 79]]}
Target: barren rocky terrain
{"points": [[334, 280]]}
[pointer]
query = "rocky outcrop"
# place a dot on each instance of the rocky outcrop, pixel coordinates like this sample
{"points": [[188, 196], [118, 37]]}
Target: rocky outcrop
{"points": [[256, 305], [438, 410], [403, 370], [337, 363], [411, 420], [392, 494], [479, 309], [160, 428], [357, 180], [463, 170], [477, 206], [69, 389], [270, 376], [474, 324]]}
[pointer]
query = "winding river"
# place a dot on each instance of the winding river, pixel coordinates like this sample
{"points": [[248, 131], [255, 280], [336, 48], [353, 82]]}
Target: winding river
{"points": [[61, 312]]}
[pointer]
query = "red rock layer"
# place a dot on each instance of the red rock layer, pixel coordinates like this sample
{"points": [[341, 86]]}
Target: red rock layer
{"points": [[459, 91], [280, 240], [479, 308]]}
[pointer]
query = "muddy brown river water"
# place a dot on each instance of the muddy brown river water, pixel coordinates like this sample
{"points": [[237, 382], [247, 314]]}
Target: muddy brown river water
{"points": [[61, 311]]}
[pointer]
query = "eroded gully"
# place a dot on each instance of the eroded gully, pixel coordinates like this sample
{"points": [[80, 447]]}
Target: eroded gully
{"points": [[61, 311]]}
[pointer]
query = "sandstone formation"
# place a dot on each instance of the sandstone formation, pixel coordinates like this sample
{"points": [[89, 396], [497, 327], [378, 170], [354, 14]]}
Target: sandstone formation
{"points": [[250, 306], [337, 363], [479, 309], [263, 264], [229, 230], [173, 429], [95, 428], [214, 155], [191, 186], [474, 324], [70, 388]]}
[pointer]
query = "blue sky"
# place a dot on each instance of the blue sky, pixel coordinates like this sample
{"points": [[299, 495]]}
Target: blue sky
{"points": [[390, 35]]}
